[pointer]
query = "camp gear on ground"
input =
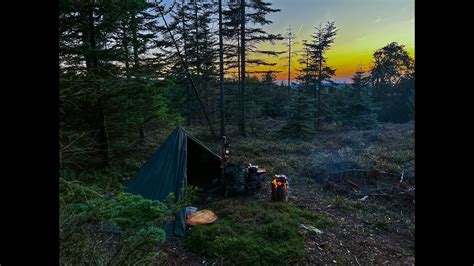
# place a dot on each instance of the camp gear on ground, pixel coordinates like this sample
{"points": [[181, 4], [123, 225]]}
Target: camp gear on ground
{"points": [[254, 178], [234, 179], [239, 179], [201, 217], [190, 210], [181, 160], [279, 188]]}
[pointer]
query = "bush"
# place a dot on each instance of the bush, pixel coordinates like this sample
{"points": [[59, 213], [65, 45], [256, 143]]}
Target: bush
{"points": [[118, 228]]}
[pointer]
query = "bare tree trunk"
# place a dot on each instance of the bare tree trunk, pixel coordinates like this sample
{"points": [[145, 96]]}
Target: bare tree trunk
{"points": [[315, 96], [183, 21], [238, 60], [136, 65], [239, 81], [103, 136], [242, 54], [290, 39], [299, 104], [318, 118], [213, 102], [289, 59], [142, 135], [134, 25], [221, 72], [185, 55], [196, 26], [125, 48], [198, 79], [92, 64]]}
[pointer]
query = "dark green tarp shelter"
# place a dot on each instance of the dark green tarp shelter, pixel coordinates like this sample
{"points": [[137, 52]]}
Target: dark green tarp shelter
{"points": [[181, 160]]}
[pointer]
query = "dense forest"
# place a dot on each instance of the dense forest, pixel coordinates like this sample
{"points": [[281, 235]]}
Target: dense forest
{"points": [[131, 71]]}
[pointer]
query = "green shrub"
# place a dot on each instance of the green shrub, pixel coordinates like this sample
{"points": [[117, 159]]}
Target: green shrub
{"points": [[113, 228]]}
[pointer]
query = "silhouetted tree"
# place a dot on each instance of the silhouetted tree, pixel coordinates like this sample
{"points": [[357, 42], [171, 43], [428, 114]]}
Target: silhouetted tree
{"points": [[319, 71], [392, 78]]}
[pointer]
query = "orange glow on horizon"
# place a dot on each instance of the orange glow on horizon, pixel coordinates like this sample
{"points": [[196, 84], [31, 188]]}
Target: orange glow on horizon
{"points": [[363, 27], [345, 64]]}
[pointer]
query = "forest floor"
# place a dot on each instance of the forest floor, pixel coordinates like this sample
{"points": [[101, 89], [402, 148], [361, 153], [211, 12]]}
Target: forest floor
{"points": [[377, 229]]}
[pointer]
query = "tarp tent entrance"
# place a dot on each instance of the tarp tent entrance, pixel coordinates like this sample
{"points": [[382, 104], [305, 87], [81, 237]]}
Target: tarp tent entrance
{"points": [[180, 160]]}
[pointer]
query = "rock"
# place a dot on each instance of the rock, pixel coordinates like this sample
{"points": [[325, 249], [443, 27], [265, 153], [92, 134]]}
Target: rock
{"points": [[310, 228], [364, 198]]}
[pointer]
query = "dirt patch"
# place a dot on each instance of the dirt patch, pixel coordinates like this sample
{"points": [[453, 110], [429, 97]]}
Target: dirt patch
{"points": [[365, 232], [378, 229], [177, 254]]}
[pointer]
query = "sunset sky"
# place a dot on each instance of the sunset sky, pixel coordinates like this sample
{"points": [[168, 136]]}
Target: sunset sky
{"points": [[364, 26]]}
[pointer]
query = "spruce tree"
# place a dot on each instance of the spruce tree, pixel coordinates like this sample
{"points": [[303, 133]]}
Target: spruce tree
{"points": [[300, 122], [191, 23], [108, 77], [319, 71], [245, 41]]}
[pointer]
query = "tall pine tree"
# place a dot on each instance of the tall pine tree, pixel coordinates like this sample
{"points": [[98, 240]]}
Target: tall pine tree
{"points": [[319, 71]]}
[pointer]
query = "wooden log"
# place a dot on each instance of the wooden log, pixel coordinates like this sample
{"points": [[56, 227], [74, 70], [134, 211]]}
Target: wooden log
{"points": [[353, 183]]}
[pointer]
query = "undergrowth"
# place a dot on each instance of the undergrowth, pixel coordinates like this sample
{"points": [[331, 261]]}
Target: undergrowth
{"points": [[101, 225]]}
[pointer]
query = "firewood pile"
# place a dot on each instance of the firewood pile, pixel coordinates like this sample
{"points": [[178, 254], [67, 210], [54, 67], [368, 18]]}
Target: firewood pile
{"points": [[359, 183]]}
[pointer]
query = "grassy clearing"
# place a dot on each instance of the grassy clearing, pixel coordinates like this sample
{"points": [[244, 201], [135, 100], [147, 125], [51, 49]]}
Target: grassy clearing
{"points": [[248, 232], [264, 232], [255, 232], [260, 232]]}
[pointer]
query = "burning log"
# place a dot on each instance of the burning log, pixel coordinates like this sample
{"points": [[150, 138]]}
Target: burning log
{"points": [[279, 188]]}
